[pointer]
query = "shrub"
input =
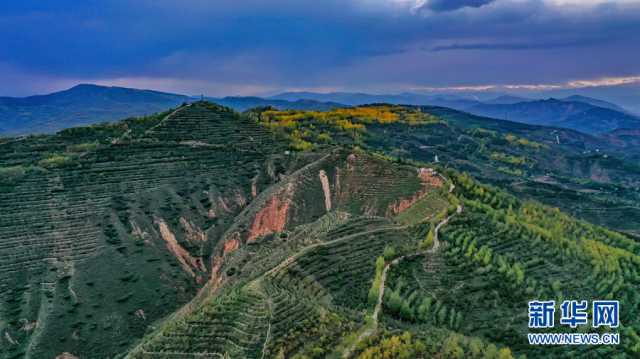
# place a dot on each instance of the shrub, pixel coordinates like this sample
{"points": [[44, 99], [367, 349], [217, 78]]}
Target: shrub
{"points": [[83, 147], [55, 161], [9, 175]]}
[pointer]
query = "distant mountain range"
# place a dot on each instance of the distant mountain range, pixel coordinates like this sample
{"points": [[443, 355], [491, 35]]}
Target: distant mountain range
{"points": [[575, 112], [577, 115], [246, 103], [354, 99], [88, 104]]}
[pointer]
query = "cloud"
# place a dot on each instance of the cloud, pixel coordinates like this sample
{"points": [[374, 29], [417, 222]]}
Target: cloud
{"points": [[470, 88], [606, 81], [573, 84], [451, 5], [516, 45], [191, 46]]}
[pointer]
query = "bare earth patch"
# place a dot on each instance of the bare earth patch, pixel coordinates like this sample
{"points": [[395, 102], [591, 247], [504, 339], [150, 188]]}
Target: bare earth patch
{"points": [[273, 217], [326, 189], [429, 178], [188, 262]]}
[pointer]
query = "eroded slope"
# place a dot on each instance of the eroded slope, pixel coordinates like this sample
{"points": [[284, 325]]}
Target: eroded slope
{"points": [[108, 228], [297, 262]]}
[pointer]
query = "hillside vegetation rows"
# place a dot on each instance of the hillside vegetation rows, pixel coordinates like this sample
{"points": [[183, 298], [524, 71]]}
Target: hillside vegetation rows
{"points": [[106, 229], [201, 232], [581, 174]]}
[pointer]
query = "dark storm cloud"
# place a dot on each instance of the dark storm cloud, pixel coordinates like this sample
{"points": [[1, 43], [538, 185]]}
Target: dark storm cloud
{"points": [[198, 45], [518, 46], [450, 5]]}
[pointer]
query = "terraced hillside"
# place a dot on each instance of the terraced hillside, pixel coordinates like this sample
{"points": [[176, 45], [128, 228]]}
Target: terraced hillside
{"points": [[204, 233], [350, 282], [498, 254], [297, 262], [106, 229], [589, 177]]}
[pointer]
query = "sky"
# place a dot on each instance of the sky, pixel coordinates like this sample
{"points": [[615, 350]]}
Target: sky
{"points": [[261, 47]]}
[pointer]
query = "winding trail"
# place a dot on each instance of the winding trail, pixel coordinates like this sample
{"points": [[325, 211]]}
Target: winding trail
{"points": [[371, 329], [266, 341], [163, 120], [291, 259]]}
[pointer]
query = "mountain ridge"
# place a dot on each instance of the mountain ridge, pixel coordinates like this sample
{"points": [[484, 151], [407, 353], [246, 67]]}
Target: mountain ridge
{"points": [[80, 105], [576, 112], [576, 115], [86, 104]]}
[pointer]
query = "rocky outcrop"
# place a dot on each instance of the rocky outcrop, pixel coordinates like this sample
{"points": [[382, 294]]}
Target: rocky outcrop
{"points": [[326, 189], [191, 232], [404, 204], [188, 263], [231, 244], [273, 216], [429, 178], [254, 187]]}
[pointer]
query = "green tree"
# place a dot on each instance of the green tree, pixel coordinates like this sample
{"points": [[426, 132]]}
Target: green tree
{"points": [[451, 347], [505, 353], [389, 253], [476, 347]]}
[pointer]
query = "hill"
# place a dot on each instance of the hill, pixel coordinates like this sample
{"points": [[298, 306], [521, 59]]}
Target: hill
{"points": [[432, 289], [89, 104], [354, 99], [506, 100], [588, 176], [80, 105], [204, 232], [327, 264], [109, 228]]}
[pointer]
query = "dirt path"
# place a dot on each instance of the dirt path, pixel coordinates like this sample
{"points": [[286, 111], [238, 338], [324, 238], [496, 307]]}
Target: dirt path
{"points": [[168, 116], [436, 241], [285, 263], [266, 341], [376, 312], [371, 329], [291, 259], [165, 118]]}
